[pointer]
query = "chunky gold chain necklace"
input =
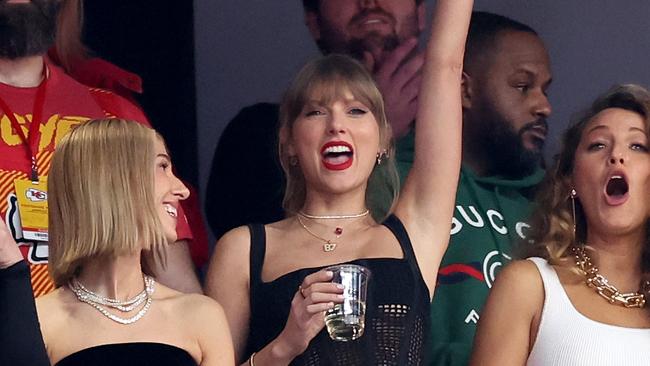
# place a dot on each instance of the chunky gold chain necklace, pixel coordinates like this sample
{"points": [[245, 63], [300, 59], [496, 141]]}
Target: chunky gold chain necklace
{"points": [[599, 283]]}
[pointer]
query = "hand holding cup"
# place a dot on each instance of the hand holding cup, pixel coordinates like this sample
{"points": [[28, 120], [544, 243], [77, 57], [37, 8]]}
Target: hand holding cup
{"points": [[346, 321]]}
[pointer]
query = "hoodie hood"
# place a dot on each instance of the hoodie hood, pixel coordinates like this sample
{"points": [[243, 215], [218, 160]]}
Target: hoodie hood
{"points": [[529, 181]]}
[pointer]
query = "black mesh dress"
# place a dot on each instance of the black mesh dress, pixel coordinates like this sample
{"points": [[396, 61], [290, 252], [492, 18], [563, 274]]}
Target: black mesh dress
{"points": [[397, 309]]}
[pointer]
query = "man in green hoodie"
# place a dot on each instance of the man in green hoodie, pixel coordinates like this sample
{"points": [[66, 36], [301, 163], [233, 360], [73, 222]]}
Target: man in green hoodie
{"points": [[505, 106]]}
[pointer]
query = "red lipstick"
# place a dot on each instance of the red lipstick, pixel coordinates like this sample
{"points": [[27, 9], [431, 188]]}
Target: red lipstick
{"points": [[337, 155]]}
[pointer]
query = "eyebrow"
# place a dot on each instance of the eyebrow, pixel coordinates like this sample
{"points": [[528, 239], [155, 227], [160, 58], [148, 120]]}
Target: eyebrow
{"points": [[162, 155], [599, 127], [604, 127], [638, 129], [524, 69]]}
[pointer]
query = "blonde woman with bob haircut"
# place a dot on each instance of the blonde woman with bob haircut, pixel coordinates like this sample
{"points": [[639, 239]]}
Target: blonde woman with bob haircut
{"points": [[335, 145], [112, 196], [581, 299]]}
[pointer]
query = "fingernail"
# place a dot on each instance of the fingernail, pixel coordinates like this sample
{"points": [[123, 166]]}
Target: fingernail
{"points": [[340, 287], [329, 273], [340, 297]]}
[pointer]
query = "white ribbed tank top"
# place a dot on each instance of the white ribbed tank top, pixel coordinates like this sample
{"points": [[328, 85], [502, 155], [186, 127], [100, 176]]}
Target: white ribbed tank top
{"points": [[566, 337]]}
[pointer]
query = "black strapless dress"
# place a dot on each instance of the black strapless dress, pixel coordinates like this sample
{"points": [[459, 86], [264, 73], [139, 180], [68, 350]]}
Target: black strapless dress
{"points": [[127, 354]]}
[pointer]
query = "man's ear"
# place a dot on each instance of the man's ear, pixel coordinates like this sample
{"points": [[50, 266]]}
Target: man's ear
{"points": [[422, 16], [466, 90], [311, 21]]}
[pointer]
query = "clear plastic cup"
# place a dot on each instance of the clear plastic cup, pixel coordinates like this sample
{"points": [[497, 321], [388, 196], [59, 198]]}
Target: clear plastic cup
{"points": [[346, 321]]}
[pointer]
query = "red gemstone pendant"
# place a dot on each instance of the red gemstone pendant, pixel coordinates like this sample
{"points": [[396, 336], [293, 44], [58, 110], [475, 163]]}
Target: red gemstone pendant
{"points": [[338, 231]]}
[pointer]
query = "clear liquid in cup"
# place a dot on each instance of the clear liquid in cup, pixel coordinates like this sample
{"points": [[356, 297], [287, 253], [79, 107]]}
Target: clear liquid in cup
{"points": [[345, 322]]}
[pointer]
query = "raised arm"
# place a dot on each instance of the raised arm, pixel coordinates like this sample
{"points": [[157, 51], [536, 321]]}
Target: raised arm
{"points": [[21, 341], [427, 199]]}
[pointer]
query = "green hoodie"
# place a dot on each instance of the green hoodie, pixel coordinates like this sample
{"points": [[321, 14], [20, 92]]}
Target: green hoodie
{"points": [[489, 217]]}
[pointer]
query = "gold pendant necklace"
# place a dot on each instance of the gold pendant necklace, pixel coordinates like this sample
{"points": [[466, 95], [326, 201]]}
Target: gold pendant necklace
{"points": [[328, 245], [602, 286]]}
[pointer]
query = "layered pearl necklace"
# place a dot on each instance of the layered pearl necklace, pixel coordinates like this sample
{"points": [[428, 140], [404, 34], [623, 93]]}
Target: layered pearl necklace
{"points": [[98, 301]]}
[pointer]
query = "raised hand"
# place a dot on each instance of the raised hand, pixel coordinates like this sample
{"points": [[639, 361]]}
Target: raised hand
{"points": [[398, 77], [9, 252]]}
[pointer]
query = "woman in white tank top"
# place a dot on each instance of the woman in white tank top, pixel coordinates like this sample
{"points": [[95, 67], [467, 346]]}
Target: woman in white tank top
{"points": [[591, 227]]}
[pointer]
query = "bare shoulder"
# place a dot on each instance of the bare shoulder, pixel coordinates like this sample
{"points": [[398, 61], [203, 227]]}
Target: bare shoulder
{"points": [[235, 240], [55, 311], [51, 305], [517, 278], [230, 258], [520, 273], [194, 309], [523, 269], [202, 308]]}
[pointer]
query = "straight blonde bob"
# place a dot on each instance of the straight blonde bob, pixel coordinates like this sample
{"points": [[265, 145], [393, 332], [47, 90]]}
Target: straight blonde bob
{"points": [[327, 79], [101, 196]]}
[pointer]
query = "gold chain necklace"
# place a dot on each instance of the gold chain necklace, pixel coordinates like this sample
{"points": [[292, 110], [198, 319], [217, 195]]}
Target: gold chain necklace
{"points": [[328, 245], [602, 286]]}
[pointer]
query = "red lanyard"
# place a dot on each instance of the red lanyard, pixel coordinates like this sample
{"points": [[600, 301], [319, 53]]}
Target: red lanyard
{"points": [[37, 115]]}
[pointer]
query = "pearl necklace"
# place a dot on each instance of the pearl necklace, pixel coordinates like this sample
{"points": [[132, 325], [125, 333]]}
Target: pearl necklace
{"points": [[96, 301]]}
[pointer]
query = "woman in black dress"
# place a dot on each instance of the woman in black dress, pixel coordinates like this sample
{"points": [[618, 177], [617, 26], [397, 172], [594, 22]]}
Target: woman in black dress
{"points": [[112, 195], [335, 147]]}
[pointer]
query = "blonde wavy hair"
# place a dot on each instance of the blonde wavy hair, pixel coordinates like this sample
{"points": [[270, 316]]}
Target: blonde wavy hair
{"points": [[327, 79], [552, 234], [101, 196]]}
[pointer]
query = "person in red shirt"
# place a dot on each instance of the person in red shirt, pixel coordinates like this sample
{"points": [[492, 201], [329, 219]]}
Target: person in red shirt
{"points": [[39, 104]]}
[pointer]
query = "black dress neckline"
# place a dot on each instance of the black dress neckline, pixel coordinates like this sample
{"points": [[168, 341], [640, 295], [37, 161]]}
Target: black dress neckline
{"points": [[130, 353]]}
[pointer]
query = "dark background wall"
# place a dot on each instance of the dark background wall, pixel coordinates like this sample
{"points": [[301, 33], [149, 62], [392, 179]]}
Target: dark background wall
{"points": [[246, 51], [154, 39]]}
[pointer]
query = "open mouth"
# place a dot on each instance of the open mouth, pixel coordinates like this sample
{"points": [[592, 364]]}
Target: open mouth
{"points": [[337, 155], [171, 210], [616, 190]]}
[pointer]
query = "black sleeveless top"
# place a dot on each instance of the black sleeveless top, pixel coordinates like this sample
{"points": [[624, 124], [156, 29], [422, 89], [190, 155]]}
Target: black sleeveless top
{"points": [[397, 309], [130, 354]]}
